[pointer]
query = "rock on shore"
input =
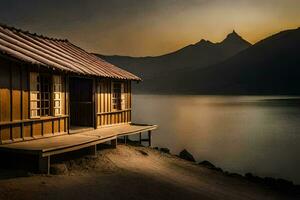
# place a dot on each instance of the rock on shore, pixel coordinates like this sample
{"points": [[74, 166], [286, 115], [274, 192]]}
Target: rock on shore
{"points": [[184, 154]]}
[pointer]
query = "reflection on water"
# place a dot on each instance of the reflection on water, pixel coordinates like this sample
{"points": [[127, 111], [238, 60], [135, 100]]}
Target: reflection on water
{"points": [[238, 133]]}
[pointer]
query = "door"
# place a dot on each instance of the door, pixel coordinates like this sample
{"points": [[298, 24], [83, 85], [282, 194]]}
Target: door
{"points": [[81, 102]]}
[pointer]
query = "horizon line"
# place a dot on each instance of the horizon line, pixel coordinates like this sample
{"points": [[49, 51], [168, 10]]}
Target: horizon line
{"points": [[234, 31]]}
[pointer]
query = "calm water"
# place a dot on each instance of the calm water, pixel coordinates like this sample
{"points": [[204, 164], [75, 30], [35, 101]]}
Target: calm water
{"points": [[238, 133]]}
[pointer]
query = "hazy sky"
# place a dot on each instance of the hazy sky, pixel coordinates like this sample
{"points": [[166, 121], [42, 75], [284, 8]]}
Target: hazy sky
{"points": [[149, 27]]}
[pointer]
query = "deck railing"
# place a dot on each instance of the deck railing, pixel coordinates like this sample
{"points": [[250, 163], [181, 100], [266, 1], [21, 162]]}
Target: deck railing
{"points": [[27, 129], [114, 117]]}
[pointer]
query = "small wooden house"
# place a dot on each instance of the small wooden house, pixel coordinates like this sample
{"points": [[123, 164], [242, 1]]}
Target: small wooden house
{"points": [[50, 87]]}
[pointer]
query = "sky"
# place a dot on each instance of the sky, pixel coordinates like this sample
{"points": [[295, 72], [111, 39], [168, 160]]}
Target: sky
{"points": [[149, 27]]}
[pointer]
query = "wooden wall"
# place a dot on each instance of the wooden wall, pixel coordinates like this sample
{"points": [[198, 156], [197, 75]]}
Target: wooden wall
{"points": [[15, 122], [104, 114]]}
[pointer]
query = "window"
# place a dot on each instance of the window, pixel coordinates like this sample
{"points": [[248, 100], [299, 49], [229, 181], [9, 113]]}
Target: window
{"points": [[35, 100], [118, 97], [45, 83], [57, 95], [40, 95]]}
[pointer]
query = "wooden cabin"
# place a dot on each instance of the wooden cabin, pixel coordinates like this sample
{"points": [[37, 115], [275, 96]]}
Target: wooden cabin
{"points": [[50, 87]]}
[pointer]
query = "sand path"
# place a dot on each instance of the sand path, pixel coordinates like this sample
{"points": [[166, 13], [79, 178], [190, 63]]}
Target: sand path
{"points": [[128, 173]]}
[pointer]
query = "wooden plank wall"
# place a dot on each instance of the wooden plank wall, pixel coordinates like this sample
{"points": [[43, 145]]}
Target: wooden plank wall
{"points": [[15, 122], [105, 115]]}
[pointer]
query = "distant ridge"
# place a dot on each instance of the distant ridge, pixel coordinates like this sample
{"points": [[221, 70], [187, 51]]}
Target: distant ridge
{"points": [[192, 57], [271, 66], [233, 66]]}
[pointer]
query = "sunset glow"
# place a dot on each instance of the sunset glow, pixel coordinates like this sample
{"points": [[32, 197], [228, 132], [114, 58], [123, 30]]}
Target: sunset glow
{"points": [[155, 27]]}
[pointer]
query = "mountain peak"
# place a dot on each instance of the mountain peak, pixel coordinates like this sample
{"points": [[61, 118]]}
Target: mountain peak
{"points": [[204, 42], [234, 37]]}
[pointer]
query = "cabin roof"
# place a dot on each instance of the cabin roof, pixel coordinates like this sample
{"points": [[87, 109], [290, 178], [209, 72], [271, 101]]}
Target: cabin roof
{"points": [[56, 54]]}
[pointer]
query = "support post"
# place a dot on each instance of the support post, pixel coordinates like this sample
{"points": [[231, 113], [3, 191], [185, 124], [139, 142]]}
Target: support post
{"points": [[93, 150], [149, 138], [114, 143], [125, 139], [44, 165], [140, 138], [67, 102]]}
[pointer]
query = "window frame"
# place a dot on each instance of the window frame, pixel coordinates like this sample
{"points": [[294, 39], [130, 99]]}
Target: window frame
{"points": [[38, 99], [117, 100], [34, 91], [45, 94], [57, 95]]}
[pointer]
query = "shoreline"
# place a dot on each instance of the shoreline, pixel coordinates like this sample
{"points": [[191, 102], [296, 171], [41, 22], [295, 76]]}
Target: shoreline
{"points": [[279, 184], [135, 172]]}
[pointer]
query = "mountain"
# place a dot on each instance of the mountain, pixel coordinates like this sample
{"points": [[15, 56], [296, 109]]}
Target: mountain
{"points": [[192, 57], [271, 66], [233, 66]]}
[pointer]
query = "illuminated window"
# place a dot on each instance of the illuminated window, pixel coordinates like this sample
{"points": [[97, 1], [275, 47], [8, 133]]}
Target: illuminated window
{"points": [[40, 95], [118, 98], [35, 96], [57, 86]]}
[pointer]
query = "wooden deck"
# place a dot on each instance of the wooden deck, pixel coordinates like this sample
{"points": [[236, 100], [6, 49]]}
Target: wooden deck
{"points": [[44, 148], [119, 130]]}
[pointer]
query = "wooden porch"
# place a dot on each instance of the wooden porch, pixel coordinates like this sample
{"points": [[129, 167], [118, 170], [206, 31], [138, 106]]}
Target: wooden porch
{"points": [[47, 147]]}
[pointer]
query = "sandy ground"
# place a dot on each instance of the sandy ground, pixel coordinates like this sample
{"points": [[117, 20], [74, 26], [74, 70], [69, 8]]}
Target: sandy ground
{"points": [[133, 173]]}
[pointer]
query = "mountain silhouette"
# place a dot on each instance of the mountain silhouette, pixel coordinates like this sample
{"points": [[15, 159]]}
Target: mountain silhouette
{"points": [[192, 57], [233, 66], [271, 66]]}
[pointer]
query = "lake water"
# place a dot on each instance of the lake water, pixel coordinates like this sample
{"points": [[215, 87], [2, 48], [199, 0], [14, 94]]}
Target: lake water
{"points": [[237, 133]]}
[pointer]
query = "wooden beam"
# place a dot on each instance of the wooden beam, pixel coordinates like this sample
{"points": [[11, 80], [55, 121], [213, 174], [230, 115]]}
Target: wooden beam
{"points": [[149, 138], [11, 101], [44, 165], [114, 143], [65, 101], [113, 112], [95, 99], [31, 129], [125, 139], [21, 102], [68, 101], [28, 110], [140, 138], [93, 150], [42, 128], [52, 126], [32, 120], [76, 147]]}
